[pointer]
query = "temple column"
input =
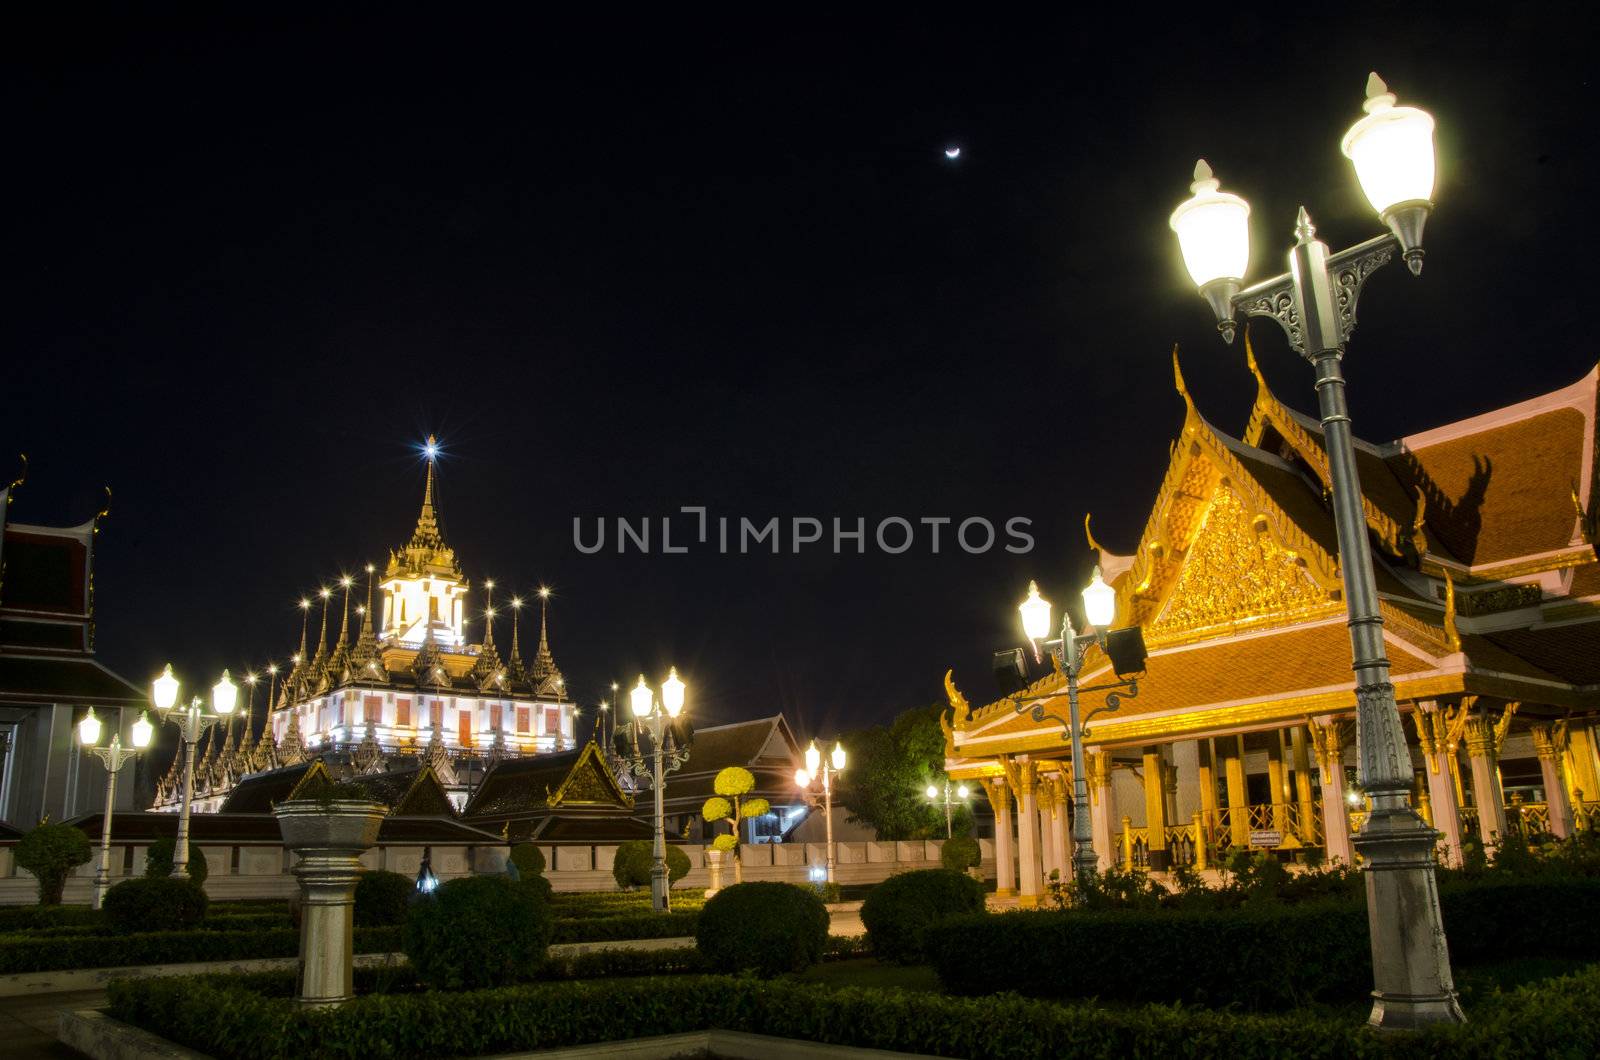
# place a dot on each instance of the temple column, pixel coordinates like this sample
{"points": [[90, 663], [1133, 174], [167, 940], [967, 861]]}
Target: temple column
{"points": [[1483, 754], [1583, 777], [1548, 743], [1005, 881], [1102, 808], [1437, 739], [1278, 783], [1307, 832], [1155, 810], [1208, 793], [1049, 851], [1335, 817], [1231, 750], [1029, 877], [1062, 798]]}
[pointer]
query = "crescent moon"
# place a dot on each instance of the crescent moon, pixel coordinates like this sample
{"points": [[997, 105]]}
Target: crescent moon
{"points": [[952, 152]]}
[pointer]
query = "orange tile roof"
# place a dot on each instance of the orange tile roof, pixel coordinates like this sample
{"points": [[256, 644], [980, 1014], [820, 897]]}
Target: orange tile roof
{"points": [[1571, 653]]}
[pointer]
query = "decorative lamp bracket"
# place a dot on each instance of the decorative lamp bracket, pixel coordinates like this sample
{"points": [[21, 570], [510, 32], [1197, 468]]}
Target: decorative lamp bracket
{"points": [[1347, 272]]}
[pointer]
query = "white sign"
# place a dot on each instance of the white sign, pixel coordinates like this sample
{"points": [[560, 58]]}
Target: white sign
{"points": [[1266, 838]]}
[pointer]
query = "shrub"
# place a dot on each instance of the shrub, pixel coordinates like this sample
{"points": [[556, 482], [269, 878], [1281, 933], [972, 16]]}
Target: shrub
{"points": [[168, 947], [161, 904], [382, 898], [51, 852], [674, 925], [900, 909], [528, 859], [158, 860], [768, 928], [960, 854], [476, 932], [540, 887], [635, 858]]}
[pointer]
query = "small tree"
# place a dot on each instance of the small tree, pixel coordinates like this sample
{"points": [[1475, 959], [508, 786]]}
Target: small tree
{"points": [[730, 806], [158, 860], [51, 852]]}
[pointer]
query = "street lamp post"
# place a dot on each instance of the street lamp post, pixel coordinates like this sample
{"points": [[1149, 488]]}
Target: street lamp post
{"points": [[1315, 303], [113, 758], [961, 794], [657, 713], [817, 769], [192, 721], [1100, 609]]}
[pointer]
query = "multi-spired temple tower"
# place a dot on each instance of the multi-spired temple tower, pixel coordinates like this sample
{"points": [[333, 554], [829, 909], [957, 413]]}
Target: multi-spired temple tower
{"points": [[406, 690], [1241, 736]]}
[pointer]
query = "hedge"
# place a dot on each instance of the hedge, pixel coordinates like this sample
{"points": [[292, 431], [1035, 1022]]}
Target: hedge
{"points": [[1261, 957], [32, 917], [766, 928], [222, 1016], [22, 954], [673, 925], [898, 912]]}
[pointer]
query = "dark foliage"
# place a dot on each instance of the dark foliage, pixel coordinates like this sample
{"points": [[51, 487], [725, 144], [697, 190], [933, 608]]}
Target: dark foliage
{"points": [[634, 859], [479, 931], [960, 853], [900, 909], [168, 947], [158, 860], [155, 904], [50, 852], [674, 925], [528, 859], [382, 898], [767, 928]]}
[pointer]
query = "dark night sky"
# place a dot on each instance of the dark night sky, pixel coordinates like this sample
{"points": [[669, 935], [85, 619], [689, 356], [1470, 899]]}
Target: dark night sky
{"points": [[624, 267]]}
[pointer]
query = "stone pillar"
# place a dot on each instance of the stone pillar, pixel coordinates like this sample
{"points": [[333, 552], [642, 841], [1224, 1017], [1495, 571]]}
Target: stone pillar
{"points": [[1029, 878], [1231, 750], [1206, 770], [1335, 815], [1483, 754], [1583, 775], [1278, 783], [1049, 852], [1063, 823], [1005, 881], [1155, 810], [330, 838], [1102, 807], [1307, 832], [1438, 741], [1548, 743]]}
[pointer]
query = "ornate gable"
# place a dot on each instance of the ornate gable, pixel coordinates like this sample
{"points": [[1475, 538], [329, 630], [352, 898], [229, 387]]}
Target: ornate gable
{"points": [[590, 782]]}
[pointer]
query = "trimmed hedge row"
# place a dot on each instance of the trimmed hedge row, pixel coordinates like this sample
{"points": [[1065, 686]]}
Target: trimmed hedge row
{"points": [[679, 923], [33, 917], [1558, 1018], [168, 947], [1263, 957]]}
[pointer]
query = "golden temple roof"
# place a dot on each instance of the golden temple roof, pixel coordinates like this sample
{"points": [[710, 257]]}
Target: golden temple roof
{"points": [[426, 552]]}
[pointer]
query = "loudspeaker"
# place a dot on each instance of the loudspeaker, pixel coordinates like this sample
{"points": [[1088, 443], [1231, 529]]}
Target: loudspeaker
{"points": [[1011, 670], [1125, 648]]}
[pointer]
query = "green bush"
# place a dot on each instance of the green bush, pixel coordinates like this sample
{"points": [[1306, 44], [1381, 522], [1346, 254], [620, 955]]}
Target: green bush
{"points": [[900, 909], [540, 887], [635, 858], [528, 859], [163, 904], [476, 932], [51, 852], [961, 853], [158, 860], [168, 947], [383, 898], [770, 928], [38, 917], [1556, 1018], [674, 925]]}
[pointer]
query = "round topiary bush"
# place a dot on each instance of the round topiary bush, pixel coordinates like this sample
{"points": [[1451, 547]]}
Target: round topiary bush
{"points": [[634, 859], [158, 860], [898, 910], [768, 928], [383, 898], [528, 859], [960, 854], [51, 852], [155, 903], [478, 932], [539, 886]]}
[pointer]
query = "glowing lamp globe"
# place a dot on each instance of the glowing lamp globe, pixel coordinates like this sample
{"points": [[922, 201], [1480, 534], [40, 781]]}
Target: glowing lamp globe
{"points": [[1099, 602], [1213, 230], [224, 695], [89, 729], [142, 731], [802, 778], [963, 791], [837, 755], [641, 699], [933, 792], [164, 689], [1035, 614], [672, 693], [1392, 150], [813, 757]]}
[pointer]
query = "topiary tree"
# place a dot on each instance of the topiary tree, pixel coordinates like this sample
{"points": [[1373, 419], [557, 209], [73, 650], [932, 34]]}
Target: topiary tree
{"points": [[528, 859], [767, 928], [478, 932], [155, 903], [898, 910], [634, 859], [158, 860], [730, 806], [960, 854], [51, 852], [383, 898]]}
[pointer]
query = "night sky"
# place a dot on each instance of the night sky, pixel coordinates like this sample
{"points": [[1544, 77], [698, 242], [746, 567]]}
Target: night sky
{"points": [[623, 267]]}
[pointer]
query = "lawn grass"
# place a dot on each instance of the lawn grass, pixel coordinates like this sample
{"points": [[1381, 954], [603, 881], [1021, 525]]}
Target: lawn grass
{"points": [[869, 972]]}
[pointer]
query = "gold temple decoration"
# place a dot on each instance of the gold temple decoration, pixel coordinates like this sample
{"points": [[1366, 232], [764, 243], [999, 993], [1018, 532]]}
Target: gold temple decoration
{"points": [[960, 710], [1452, 635]]}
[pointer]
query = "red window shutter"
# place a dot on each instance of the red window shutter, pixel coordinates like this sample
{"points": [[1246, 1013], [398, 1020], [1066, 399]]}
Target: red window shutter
{"points": [[494, 716], [524, 719], [402, 711], [552, 720], [374, 705], [438, 715], [464, 718]]}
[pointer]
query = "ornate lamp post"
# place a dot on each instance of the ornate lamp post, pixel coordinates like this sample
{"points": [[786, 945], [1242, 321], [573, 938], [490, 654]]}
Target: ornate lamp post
{"points": [[113, 758], [657, 714], [816, 769], [192, 721], [1315, 303], [1100, 609], [961, 794]]}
